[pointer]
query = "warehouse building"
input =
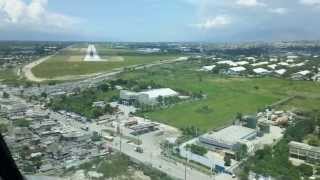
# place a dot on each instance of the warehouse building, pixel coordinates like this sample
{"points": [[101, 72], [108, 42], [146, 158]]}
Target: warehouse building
{"points": [[149, 97], [228, 138], [304, 152]]}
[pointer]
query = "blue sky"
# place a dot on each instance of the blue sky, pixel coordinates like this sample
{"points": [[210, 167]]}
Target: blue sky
{"points": [[160, 20]]}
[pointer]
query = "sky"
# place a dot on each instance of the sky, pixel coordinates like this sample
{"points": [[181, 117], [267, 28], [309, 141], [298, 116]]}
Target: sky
{"points": [[160, 20]]}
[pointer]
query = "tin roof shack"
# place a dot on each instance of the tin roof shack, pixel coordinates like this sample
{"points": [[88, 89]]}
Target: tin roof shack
{"points": [[76, 136], [37, 126], [22, 133], [15, 111], [229, 137], [38, 115]]}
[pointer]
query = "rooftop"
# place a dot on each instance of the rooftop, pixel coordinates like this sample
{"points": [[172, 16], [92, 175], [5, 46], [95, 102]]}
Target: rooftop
{"points": [[238, 69], [231, 134], [154, 93], [260, 70]]}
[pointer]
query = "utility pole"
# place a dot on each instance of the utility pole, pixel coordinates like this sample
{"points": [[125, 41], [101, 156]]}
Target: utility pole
{"points": [[185, 166], [119, 131]]}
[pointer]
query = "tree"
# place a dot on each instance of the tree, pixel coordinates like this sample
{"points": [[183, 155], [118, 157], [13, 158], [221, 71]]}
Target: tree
{"points": [[227, 160], [3, 128], [239, 116], [241, 152], [160, 99], [44, 95], [5, 95], [103, 87], [306, 170], [197, 149]]}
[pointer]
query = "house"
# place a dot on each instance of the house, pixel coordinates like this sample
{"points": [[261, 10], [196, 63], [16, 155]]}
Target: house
{"points": [[283, 64], [208, 68], [273, 59], [292, 57], [301, 75], [272, 66], [227, 62], [261, 71], [280, 71], [260, 64], [236, 70], [242, 63], [251, 58], [316, 77]]}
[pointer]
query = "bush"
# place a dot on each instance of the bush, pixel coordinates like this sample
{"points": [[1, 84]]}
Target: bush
{"points": [[21, 123], [197, 149], [306, 170]]}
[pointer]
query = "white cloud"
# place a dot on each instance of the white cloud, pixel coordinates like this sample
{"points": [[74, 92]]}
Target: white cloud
{"points": [[280, 11], [249, 3], [310, 2], [35, 16], [215, 22]]}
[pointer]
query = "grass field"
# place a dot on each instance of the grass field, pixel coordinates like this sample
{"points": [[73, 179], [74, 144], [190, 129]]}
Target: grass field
{"points": [[70, 62], [225, 96]]}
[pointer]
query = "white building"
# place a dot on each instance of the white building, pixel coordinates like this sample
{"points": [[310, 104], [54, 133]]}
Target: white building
{"points": [[149, 97], [236, 70], [261, 71], [283, 64], [300, 75], [229, 137], [260, 64], [228, 62], [280, 71], [242, 63], [272, 66], [273, 59], [208, 68]]}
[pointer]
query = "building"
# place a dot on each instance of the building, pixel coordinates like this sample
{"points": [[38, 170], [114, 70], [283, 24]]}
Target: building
{"points": [[227, 62], [301, 75], [149, 97], [208, 68], [305, 152], [236, 70], [260, 64], [280, 71], [242, 63], [228, 138], [261, 71]]}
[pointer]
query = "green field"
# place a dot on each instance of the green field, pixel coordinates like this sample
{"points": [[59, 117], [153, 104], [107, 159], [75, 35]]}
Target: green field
{"points": [[70, 62], [225, 96]]}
